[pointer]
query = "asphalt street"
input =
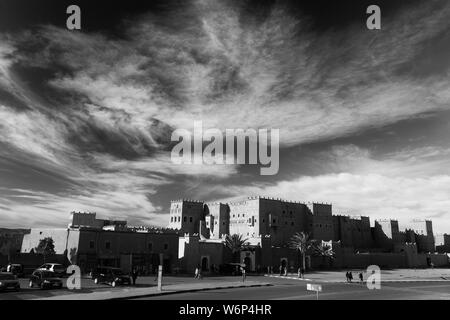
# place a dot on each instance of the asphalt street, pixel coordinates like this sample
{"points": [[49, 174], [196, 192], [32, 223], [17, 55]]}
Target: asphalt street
{"points": [[296, 290], [282, 288]]}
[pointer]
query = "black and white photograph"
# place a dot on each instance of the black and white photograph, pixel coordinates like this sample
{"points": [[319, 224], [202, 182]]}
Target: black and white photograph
{"points": [[224, 150]]}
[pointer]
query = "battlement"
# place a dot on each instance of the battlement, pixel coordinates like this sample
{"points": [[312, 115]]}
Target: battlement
{"points": [[244, 201], [152, 229], [386, 220], [187, 200], [83, 212]]}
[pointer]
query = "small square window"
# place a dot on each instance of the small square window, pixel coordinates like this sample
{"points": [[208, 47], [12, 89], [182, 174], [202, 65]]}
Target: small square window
{"points": [[166, 246], [91, 244], [108, 245]]}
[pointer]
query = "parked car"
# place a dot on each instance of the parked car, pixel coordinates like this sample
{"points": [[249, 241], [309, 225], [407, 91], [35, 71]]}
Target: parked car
{"points": [[45, 279], [15, 268], [8, 281], [57, 268], [111, 276]]}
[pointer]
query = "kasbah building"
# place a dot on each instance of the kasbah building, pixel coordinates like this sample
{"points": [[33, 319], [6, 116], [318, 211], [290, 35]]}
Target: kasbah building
{"points": [[196, 235]]}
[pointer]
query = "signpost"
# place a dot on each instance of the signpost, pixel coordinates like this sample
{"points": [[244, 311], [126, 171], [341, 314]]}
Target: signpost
{"points": [[314, 287], [160, 269]]}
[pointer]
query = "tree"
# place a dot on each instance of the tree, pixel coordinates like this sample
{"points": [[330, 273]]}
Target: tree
{"points": [[300, 241], [46, 247], [236, 243], [324, 250]]}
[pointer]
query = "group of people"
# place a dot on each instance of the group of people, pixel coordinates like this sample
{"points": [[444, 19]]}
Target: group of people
{"points": [[349, 276], [198, 273]]}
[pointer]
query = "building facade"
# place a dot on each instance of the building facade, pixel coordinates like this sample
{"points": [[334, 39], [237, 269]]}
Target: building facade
{"points": [[90, 242]]}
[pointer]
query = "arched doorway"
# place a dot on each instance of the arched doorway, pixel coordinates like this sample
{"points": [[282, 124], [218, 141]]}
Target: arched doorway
{"points": [[205, 264]]}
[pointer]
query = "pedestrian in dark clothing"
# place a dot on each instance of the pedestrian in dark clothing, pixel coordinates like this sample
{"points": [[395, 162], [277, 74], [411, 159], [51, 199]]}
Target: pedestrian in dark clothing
{"points": [[361, 277], [350, 276], [347, 276], [134, 275]]}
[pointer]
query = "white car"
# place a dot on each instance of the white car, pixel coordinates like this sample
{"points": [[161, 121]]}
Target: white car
{"points": [[57, 268]]}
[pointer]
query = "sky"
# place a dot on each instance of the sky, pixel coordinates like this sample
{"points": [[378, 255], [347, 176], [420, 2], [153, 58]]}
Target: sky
{"points": [[86, 115]]}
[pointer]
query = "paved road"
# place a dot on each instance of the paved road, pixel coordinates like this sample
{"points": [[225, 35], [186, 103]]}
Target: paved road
{"points": [[296, 290], [89, 286], [282, 289]]}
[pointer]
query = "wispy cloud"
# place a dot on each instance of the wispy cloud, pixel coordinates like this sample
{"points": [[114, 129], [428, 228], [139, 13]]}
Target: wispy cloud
{"points": [[109, 105], [401, 186]]}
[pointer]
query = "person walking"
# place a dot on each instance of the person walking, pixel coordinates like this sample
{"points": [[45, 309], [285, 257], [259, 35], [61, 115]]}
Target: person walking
{"points": [[347, 276], [302, 272], [350, 276], [197, 273], [361, 277], [243, 274], [134, 275], [285, 271]]}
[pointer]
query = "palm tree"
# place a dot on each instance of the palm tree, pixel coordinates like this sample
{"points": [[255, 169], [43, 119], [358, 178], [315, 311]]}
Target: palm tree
{"points": [[236, 243], [300, 241], [324, 250]]}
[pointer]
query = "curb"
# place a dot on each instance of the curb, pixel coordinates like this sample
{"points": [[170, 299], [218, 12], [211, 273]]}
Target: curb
{"points": [[164, 293], [343, 281]]}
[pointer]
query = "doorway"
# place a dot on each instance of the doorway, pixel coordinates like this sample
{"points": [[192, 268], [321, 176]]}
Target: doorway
{"points": [[205, 264]]}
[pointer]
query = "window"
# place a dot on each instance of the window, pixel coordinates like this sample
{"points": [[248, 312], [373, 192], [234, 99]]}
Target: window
{"points": [[179, 218], [243, 215], [184, 219], [108, 245], [190, 219], [292, 223], [166, 246], [264, 220], [150, 246], [239, 215], [171, 219], [91, 244]]}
